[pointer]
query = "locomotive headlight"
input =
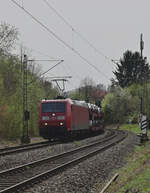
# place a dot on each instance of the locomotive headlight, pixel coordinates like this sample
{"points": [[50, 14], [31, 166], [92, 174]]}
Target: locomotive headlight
{"points": [[61, 123], [45, 123], [61, 118], [45, 118]]}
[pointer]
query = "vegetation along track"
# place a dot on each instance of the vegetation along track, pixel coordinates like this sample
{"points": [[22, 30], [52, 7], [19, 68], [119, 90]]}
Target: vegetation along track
{"points": [[13, 179], [21, 148]]}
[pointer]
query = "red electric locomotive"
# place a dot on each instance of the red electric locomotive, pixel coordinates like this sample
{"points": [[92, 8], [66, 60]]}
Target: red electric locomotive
{"points": [[64, 117]]}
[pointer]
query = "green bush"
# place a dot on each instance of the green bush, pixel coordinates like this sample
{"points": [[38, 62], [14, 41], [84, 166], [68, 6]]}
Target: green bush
{"points": [[121, 105]]}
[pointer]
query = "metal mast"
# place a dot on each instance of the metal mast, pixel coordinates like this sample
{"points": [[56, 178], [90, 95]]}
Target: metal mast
{"points": [[143, 121], [25, 135], [141, 49]]}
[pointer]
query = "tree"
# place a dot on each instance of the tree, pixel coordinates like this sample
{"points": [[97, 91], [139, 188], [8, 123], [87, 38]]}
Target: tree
{"points": [[132, 69], [8, 36], [112, 87], [121, 105], [89, 91], [50, 91], [87, 88]]}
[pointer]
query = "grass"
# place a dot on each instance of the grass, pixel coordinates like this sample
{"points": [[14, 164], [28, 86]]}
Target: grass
{"points": [[134, 177], [131, 127]]}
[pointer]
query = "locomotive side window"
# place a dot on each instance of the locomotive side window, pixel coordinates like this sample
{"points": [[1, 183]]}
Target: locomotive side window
{"points": [[54, 107]]}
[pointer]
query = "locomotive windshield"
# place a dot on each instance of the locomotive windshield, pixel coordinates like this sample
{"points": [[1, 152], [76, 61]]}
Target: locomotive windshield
{"points": [[54, 107]]}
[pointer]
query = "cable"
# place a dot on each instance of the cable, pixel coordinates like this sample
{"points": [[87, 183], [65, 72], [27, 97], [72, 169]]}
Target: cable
{"points": [[47, 71], [51, 68], [43, 54], [39, 52], [68, 70], [75, 31], [58, 38]]}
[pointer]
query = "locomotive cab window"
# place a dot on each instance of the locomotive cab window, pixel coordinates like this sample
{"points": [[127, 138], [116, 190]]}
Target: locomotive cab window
{"points": [[54, 107]]}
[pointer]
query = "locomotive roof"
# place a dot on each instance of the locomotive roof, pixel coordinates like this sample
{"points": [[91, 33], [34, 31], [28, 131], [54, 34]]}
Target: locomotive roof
{"points": [[75, 102], [55, 100]]}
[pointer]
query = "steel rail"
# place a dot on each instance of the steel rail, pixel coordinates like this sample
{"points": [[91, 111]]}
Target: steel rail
{"points": [[51, 158], [45, 174], [21, 148]]}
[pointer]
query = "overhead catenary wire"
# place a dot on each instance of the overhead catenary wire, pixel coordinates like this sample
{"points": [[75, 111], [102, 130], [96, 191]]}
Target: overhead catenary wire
{"points": [[48, 60], [41, 53], [68, 70], [51, 68], [58, 38], [67, 74], [76, 31], [59, 61], [41, 75]]}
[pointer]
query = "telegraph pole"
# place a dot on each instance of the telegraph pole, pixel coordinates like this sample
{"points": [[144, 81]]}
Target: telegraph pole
{"points": [[25, 133]]}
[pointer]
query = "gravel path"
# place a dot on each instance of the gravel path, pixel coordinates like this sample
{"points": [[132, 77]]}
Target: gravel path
{"points": [[83, 177]]}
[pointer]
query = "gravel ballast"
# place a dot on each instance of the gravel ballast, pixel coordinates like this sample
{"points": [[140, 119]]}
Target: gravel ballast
{"points": [[17, 159], [82, 177]]}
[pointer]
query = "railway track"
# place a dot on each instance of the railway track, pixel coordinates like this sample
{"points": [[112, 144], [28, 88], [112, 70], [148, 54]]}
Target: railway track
{"points": [[15, 178], [21, 148]]}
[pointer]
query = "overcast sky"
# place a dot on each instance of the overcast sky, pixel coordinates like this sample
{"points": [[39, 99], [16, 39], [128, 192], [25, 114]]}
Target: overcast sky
{"points": [[112, 26]]}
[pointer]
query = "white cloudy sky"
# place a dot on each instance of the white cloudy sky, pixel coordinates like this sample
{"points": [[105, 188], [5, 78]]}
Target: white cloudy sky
{"points": [[112, 26]]}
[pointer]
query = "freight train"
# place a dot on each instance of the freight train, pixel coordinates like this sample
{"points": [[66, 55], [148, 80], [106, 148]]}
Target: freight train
{"points": [[65, 117]]}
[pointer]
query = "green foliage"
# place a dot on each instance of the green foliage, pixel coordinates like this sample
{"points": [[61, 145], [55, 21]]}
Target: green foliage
{"points": [[11, 89], [121, 105], [11, 93], [135, 175], [132, 69], [76, 95], [131, 127]]}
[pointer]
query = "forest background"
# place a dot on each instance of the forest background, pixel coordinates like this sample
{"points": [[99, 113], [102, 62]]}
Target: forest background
{"points": [[120, 101]]}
